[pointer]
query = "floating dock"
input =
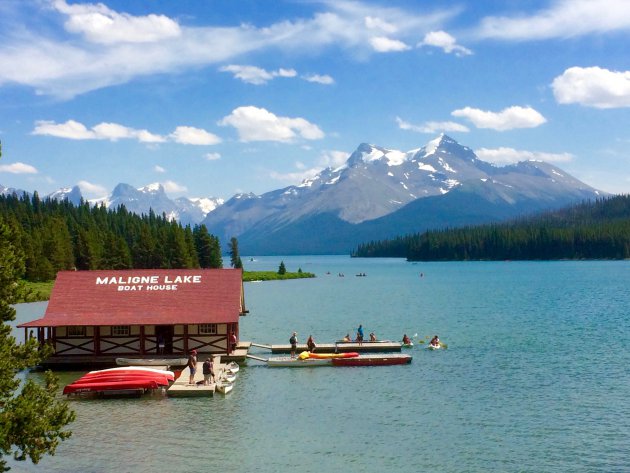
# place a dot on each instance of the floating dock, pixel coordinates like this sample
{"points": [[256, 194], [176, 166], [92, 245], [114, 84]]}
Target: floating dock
{"points": [[343, 347], [181, 388]]}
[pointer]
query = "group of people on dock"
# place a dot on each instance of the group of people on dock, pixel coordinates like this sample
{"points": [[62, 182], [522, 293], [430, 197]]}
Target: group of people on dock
{"points": [[208, 369]]}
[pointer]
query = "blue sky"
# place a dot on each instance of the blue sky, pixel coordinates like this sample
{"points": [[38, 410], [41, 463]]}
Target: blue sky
{"points": [[215, 97]]}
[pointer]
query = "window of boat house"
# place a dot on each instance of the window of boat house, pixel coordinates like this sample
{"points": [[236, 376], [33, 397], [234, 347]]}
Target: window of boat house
{"points": [[207, 329], [76, 331], [120, 330]]}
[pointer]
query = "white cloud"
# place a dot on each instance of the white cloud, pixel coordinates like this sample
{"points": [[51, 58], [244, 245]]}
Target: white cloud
{"points": [[333, 158], [593, 87], [212, 156], [319, 79], [159, 169], [258, 124], [374, 23], [507, 119], [101, 47], [71, 129], [189, 135], [383, 44], [444, 41], [99, 24], [88, 188], [173, 187], [432, 127], [511, 155], [74, 130], [18, 168], [563, 19], [256, 75]]}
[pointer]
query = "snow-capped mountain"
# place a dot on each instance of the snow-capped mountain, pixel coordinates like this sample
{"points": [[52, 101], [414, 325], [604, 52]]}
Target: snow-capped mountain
{"points": [[358, 201], [187, 211], [71, 194]]}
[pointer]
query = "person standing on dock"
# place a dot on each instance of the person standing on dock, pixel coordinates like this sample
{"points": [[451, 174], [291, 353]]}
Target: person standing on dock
{"points": [[310, 344], [233, 342], [293, 342], [192, 366], [360, 334], [208, 371]]}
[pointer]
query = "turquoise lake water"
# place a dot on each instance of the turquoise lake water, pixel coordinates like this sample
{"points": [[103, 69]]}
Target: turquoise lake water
{"points": [[536, 378]]}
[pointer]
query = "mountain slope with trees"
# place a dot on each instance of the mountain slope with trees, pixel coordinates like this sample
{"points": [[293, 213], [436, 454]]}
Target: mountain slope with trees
{"points": [[591, 230], [57, 235]]}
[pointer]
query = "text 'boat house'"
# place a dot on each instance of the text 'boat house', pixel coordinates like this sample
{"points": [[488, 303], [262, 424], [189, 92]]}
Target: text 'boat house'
{"points": [[96, 316]]}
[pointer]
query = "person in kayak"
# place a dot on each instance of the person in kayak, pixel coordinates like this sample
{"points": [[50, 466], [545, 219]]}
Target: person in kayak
{"points": [[435, 341], [406, 340]]}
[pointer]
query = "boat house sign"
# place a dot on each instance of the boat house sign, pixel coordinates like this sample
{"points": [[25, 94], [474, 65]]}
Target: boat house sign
{"points": [[152, 282]]}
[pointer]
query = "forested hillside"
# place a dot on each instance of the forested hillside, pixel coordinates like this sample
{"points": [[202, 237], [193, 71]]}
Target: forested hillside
{"points": [[591, 230], [54, 236]]}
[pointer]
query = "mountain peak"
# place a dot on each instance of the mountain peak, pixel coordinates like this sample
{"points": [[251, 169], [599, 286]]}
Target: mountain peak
{"points": [[153, 188]]}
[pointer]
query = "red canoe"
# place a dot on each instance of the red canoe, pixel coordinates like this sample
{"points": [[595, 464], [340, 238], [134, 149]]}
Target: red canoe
{"points": [[161, 380], [373, 360], [129, 371], [131, 385]]}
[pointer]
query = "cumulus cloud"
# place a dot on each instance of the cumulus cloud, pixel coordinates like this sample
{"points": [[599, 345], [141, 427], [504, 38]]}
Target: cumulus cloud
{"points": [[563, 19], [444, 41], [432, 127], [18, 168], [507, 119], [258, 124], [173, 187], [88, 188], [100, 47], [593, 87], [510, 156], [319, 79], [383, 44], [189, 135], [74, 130], [99, 24], [256, 75]]}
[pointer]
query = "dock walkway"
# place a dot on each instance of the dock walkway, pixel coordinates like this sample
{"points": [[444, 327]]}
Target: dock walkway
{"points": [[181, 388]]}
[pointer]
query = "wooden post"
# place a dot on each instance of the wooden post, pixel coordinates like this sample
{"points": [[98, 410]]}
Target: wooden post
{"points": [[97, 340], [142, 340]]}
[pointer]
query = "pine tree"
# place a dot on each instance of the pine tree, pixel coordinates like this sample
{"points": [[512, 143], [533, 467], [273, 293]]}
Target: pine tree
{"points": [[235, 259], [282, 268], [32, 420]]}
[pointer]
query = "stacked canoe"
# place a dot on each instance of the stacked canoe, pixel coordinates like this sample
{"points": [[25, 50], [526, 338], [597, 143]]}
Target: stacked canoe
{"points": [[124, 380]]}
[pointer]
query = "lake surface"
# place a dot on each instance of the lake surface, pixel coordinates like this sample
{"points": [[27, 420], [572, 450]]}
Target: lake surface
{"points": [[536, 378]]}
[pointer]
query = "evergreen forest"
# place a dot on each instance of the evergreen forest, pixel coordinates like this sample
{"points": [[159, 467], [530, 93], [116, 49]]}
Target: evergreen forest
{"points": [[57, 235], [590, 230]]}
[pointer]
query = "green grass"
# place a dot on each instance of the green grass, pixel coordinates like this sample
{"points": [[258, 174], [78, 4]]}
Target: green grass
{"points": [[34, 291], [249, 276]]}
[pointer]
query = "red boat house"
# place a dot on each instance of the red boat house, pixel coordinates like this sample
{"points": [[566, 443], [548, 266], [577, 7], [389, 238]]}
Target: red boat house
{"points": [[96, 316]]}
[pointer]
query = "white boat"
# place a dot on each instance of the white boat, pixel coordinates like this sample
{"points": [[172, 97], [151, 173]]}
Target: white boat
{"points": [[298, 363], [151, 361], [232, 366], [224, 387], [229, 377]]}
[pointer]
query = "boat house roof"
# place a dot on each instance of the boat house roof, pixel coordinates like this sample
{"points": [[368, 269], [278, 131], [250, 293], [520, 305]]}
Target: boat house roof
{"points": [[144, 297]]}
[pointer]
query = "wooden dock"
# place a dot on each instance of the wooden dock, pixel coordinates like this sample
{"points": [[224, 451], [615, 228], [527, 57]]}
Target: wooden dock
{"points": [[181, 388], [343, 347]]}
